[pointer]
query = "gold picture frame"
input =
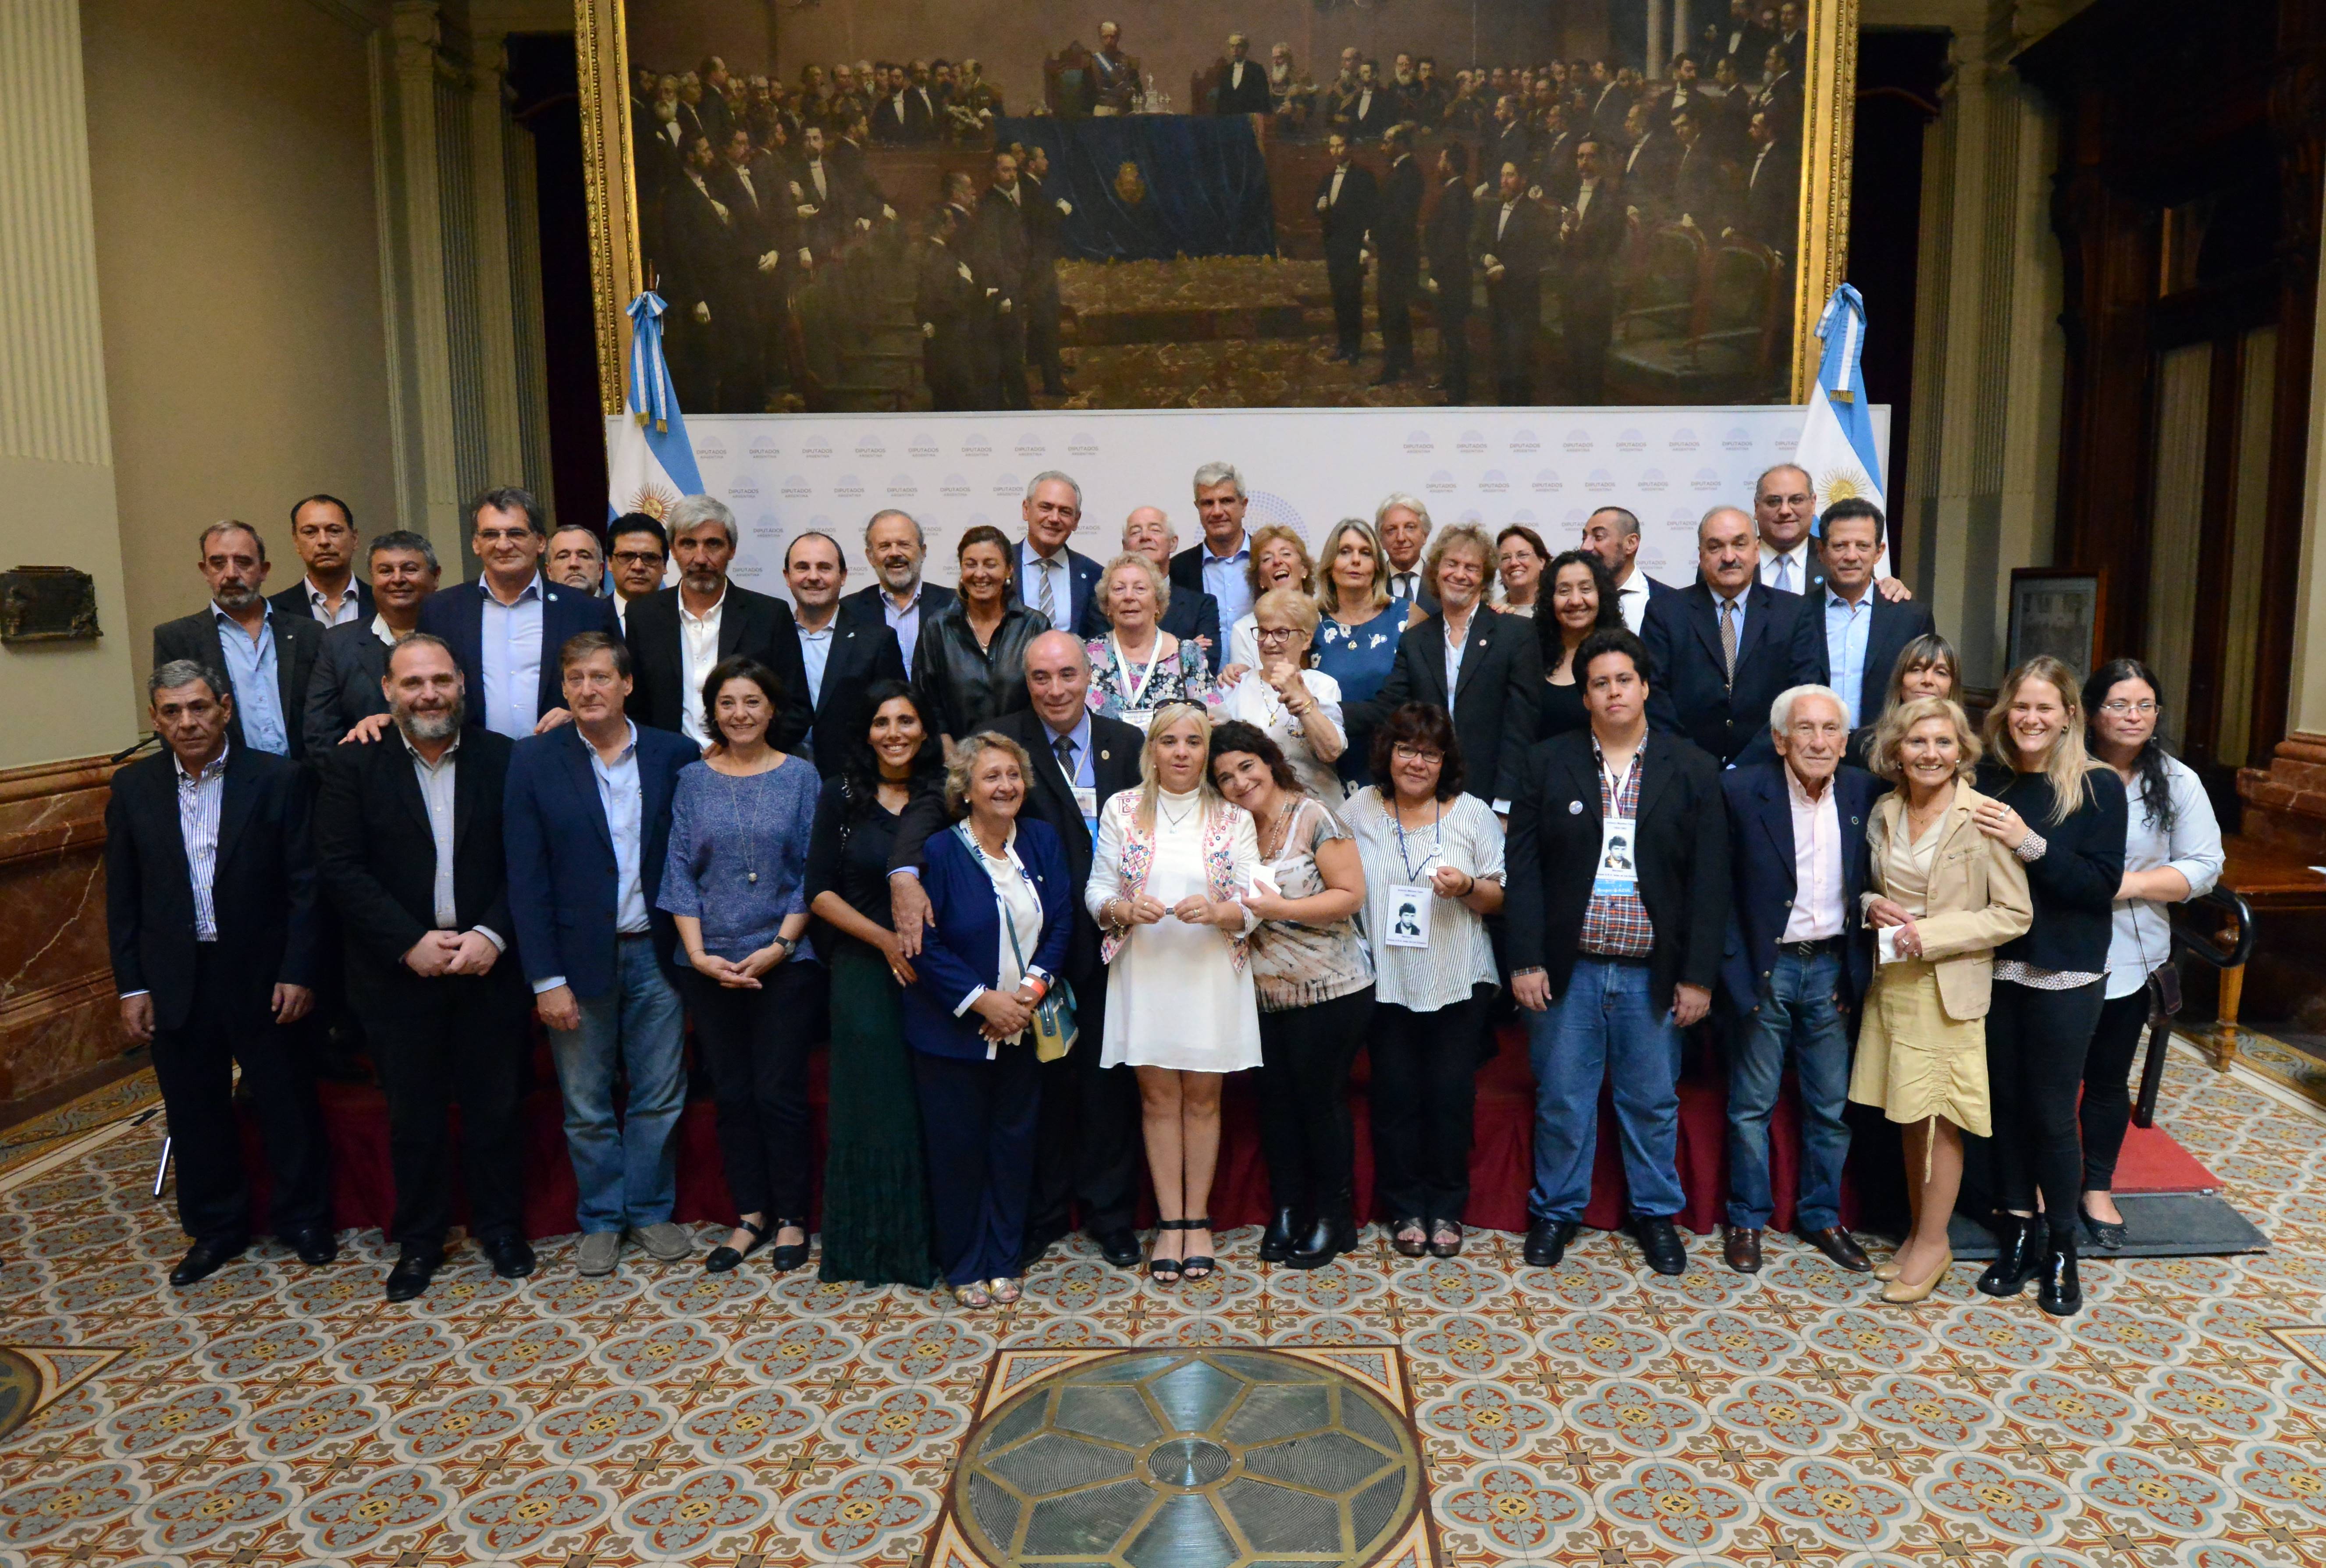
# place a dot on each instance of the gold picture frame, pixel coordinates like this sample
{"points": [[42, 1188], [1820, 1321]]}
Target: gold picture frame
{"points": [[615, 261]]}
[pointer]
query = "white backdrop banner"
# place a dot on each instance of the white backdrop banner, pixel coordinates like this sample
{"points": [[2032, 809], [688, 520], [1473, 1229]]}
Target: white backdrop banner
{"points": [[1547, 467]]}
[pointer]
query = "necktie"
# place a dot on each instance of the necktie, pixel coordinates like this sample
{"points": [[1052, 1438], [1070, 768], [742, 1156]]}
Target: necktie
{"points": [[1049, 604], [1065, 746], [1729, 638], [1785, 572]]}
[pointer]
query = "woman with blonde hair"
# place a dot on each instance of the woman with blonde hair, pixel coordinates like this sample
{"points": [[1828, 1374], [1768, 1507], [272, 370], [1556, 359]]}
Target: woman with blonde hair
{"points": [[2064, 816], [1139, 667], [1361, 622], [1943, 896], [1172, 862], [1279, 559], [1297, 707]]}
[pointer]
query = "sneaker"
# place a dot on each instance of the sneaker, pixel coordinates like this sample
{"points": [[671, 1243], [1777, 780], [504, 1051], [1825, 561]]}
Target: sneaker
{"points": [[666, 1241], [598, 1251]]}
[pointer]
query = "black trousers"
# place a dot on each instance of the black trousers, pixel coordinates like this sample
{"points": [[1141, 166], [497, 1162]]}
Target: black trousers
{"points": [[1009, 355], [469, 1049], [2107, 1110], [1042, 311], [194, 1065], [1305, 1131], [1454, 346], [756, 1044], [978, 1120], [1394, 288], [1424, 1102], [1089, 1145], [1347, 279], [2036, 1043], [1516, 320], [1590, 322]]}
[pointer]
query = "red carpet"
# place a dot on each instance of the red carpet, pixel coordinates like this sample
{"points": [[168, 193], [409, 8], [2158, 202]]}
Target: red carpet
{"points": [[363, 1192]]}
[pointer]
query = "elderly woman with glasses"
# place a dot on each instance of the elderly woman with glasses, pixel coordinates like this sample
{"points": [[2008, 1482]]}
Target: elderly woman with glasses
{"points": [[1279, 559], [1297, 707]]}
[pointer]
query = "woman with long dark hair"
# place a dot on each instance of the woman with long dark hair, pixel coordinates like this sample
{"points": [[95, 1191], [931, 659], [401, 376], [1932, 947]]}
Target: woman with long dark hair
{"points": [[2171, 854], [1577, 599], [876, 1203]]}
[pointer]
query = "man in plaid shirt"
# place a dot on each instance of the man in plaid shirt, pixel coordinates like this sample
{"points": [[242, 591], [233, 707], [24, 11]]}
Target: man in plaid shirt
{"points": [[1617, 913]]}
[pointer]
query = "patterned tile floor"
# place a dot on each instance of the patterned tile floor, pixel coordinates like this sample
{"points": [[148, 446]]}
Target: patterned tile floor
{"points": [[1589, 1415]]}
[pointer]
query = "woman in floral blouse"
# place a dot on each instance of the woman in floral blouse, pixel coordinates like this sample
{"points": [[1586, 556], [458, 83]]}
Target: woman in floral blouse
{"points": [[1139, 667], [1356, 643]]}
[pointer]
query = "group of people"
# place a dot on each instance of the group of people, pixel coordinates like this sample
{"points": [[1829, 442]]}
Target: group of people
{"points": [[1185, 812]]}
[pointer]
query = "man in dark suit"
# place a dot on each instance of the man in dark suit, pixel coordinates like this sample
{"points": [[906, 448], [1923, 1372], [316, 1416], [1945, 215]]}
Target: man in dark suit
{"points": [[1346, 204], [1045, 214], [587, 831], [1044, 575], [1511, 241], [1744, 42], [323, 532], [1591, 237], [1088, 1145], [1612, 535], [1446, 242], [677, 637], [1724, 646], [897, 597], [1397, 246], [1370, 108], [1862, 628], [344, 690], [408, 843], [1772, 201], [1785, 514], [1217, 564], [956, 316], [1243, 86], [267, 658], [1650, 162], [1799, 955], [1192, 615], [1512, 140], [1617, 910], [752, 184], [209, 909], [1001, 252], [708, 272], [506, 627], [1496, 676], [1698, 194], [839, 657], [1554, 165]]}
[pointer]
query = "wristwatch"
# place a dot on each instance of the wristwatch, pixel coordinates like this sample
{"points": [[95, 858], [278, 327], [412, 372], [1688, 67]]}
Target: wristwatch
{"points": [[787, 944]]}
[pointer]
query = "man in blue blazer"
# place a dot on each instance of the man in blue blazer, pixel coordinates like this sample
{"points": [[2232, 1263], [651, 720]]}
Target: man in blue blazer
{"points": [[1046, 575], [1798, 958], [586, 822], [1724, 646], [1861, 629], [505, 628]]}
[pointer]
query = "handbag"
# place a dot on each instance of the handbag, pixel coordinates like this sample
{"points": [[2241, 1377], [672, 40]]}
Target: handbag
{"points": [[1054, 1027]]}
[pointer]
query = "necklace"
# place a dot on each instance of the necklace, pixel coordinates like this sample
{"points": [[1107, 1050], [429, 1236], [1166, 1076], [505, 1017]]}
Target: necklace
{"points": [[1164, 811], [1281, 828], [744, 842]]}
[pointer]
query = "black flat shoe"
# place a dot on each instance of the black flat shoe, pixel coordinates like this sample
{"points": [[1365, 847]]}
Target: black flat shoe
{"points": [[413, 1270], [1119, 1247], [2058, 1291], [510, 1256], [1397, 1230], [784, 1259], [1276, 1241], [725, 1258], [315, 1246], [206, 1257], [1660, 1244], [2108, 1235], [2021, 1256], [1546, 1241]]}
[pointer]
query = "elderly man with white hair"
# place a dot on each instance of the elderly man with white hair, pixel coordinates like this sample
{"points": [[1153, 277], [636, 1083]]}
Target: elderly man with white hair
{"points": [[1193, 616], [1798, 958]]}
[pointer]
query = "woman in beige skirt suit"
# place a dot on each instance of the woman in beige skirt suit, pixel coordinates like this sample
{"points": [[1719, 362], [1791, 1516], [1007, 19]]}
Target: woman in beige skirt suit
{"points": [[1944, 897]]}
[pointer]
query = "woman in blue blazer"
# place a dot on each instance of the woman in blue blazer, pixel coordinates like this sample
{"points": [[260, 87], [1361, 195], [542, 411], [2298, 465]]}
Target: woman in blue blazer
{"points": [[969, 1012]]}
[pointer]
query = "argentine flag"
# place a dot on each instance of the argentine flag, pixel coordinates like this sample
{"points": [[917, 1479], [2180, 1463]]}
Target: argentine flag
{"points": [[649, 462], [1837, 448]]}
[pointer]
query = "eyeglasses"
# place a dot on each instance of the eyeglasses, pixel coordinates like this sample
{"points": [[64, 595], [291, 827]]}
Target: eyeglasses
{"points": [[1273, 634], [638, 557], [1404, 752], [2120, 707]]}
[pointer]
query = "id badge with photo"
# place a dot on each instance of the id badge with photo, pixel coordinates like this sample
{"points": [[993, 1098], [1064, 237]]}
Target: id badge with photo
{"points": [[1618, 872], [1086, 803], [1139, 719], [1408, 914]]}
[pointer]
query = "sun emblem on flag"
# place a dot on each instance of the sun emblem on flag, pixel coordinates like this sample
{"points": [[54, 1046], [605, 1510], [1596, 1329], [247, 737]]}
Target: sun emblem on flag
{"points": [[1843, 485], [655, 500]]}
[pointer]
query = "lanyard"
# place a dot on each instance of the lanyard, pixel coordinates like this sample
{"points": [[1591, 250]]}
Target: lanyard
{"points": [[1436, 836], [1133, 690]]}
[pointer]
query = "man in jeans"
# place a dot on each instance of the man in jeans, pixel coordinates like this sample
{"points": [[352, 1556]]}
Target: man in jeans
{"points": [[1798, 958], [588, 827], [1616, 913]]}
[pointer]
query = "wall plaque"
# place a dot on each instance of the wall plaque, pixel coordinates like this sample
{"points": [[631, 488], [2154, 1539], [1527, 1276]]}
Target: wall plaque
{"points": [[47, 604]]}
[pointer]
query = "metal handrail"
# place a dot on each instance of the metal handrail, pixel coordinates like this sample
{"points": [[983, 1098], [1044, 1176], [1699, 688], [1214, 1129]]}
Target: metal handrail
{"points": [[2206, 947]]}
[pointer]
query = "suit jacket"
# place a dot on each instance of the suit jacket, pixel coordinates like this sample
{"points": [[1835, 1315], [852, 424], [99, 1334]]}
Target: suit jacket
{"points": [[756, 624], [1697, 190], [858, 656], [1368, 119], [962, 954], [297, 641], [1892, 627], [1762, 885], [457, 615], [1688, 691], [1248, 98], [563, 890], [708, 259], [292, 601], [865, 606], [1650, 166], [1978, 899], [1524, 248], [345, 688], [1001, 242], [957, 330], [376, 858], [1588, 253], [1445, 240], [263, 887], [1559, 176], [1397, 221], [1115, 749], [1082, 584], [1681, 848], [1493, 702], [1347, 221], [1771, 202]]}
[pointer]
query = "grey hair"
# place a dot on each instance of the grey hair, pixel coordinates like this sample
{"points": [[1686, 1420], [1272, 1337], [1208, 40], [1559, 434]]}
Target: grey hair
{"points": [[963, 765], [185, 672], [1073, 641], [694, 511], [1212, 474], [1045, 476], [1623, 515], [230, 526], [920, 537], [406, 539], [1155, 575], [1413, 504], [1781, 711], [1706, 521]]}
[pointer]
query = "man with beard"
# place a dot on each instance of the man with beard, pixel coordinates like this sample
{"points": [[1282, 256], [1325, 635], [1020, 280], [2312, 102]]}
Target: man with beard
{"points": [[575, 559], [898, 598], [1510, 238], [408, 842], [1045, 214], [345, 688], [753, 188], [1590, 236], [708, 266], [267, 658], [1447, 245]]}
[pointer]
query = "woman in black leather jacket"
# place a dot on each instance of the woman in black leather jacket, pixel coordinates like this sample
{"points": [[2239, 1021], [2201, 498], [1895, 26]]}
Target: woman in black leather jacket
{"points": [[970, 667]]}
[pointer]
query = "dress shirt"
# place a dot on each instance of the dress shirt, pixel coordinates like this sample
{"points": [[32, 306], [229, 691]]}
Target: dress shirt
{"points": [[1406, 585], [624, 800], [816, 653], [510, 644], [1583, 195], [383, 631], [1787, 568], [438, 784], [1333, 195], [1503, 219], [319, 603], [1455, 642], [698, 649], [815, 178], [622, 614], [1616, 925], [1235, 74], [1743, 601], [1364, 108], [906, 623], [1817, 864], [1223, 580], [1631, 599], [1034, 568], [250, 670], [201, 798], [1847, 628], [1078, 737]]}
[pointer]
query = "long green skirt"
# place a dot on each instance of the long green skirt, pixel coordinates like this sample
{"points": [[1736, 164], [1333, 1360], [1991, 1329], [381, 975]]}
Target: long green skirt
{"points": [[875, 1201]]}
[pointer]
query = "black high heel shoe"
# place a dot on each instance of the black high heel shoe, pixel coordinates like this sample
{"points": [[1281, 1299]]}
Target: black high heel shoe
{"points": [[1164, 1270], [723, 1258], [2019, 1259], [1276, 1244], [1201, 1265], [784, 1259]]}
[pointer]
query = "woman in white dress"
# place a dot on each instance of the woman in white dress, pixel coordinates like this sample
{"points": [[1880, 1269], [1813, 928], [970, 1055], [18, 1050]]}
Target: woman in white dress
{"points": [[1297, 707], [1171, 863]]}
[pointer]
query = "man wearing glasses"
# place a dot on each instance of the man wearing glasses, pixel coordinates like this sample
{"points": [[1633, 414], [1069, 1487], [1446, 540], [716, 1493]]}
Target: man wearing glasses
{"points": [[640, 551]]}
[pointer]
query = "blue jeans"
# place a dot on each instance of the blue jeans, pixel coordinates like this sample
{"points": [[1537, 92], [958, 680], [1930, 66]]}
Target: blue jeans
{"points": [[628, 1170], [1797, 1012], [1605, 1026]]}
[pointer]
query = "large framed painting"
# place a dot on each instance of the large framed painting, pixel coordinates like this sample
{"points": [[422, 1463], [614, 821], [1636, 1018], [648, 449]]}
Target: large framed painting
{"points": [[896, 206]]}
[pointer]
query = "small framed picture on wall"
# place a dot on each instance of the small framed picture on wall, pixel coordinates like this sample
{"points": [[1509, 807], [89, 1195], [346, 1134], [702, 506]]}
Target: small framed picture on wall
{"points": [[2055, 610]]}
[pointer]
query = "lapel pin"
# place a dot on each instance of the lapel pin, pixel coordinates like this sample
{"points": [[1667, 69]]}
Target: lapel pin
{"points": [[1105, 755], [1575, 808]]}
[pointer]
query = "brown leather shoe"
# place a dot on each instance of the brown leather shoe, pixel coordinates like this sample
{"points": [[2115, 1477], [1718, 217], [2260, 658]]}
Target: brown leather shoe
{"points": [[1743, 1249], [1835, 1243]]}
